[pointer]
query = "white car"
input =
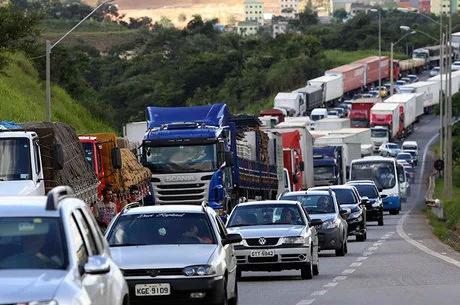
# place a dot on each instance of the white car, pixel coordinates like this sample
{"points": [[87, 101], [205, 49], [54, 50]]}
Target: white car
{"points": [[435, 71], [455, 66], [52, 252], [333, 114]]}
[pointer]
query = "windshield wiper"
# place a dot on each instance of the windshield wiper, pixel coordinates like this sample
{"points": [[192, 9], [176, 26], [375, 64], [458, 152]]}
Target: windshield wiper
{"points": [[127, 245]]}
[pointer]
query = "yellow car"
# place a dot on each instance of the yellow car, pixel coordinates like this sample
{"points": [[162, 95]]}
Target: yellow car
{"points": [[383, 90]]}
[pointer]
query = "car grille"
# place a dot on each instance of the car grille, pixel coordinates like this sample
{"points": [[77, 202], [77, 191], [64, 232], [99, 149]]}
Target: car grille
{"points": [[152, 272], [254, 242], [273, 259]]}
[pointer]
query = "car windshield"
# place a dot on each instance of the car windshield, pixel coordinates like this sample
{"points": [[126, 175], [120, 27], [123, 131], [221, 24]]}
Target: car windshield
{"points": [[161, 229], [404, 156], [314, 204], [393, 146], [265, 214], [379, 133], [15, 159], [367, 190], [381, 172], [32, 243], [409, 147], [411, 152]]}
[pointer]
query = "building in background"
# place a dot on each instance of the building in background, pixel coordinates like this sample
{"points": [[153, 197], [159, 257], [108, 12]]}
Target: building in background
{"points": [[436, 6], [290, 8], [425, 6], [253, 18]]}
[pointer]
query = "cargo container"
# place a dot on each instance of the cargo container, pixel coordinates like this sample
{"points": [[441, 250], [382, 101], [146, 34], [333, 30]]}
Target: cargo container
{"points": [[431, 89], [386, 115], [371, 65], [419, 105], [360, 112], [353, 76], [408, 111], [331, 86], [332, 124]]}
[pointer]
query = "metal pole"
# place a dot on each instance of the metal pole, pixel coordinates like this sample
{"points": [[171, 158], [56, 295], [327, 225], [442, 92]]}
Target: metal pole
{"points": [[391, 70], [380, 55], [48, 81], [448, 163], [441, 97]]}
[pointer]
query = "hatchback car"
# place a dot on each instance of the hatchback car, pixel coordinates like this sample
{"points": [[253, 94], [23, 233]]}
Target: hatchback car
{"points": [[52, 252], [349, 198], [435, 71], [374, 93], [277, 235], [174, 253], [383, 90], [332, 234], [407, 157], [455, 66], [374, 204], [389, 149], [413, 78], [340, 111]]}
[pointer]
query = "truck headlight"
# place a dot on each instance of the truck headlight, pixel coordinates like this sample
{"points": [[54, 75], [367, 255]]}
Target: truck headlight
{"points": [[293, 240], [199, 270], [331, 224]]}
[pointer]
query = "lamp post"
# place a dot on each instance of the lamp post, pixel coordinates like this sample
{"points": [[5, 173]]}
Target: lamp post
{"points": [[49, 47], [380, 50], [391, 53]]}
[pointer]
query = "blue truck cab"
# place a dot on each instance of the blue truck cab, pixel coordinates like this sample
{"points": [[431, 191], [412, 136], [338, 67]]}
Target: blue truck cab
{"points": [[327, 165]]}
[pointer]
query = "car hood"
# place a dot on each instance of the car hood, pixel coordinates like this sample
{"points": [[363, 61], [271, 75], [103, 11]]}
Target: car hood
{"points": [[162, 256], [18, 188], [268, 230], [20, 286], [323, 217], [352, 207]]}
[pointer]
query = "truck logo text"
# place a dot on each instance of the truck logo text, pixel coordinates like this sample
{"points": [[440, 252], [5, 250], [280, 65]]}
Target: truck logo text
{"points": [[180, 178]]}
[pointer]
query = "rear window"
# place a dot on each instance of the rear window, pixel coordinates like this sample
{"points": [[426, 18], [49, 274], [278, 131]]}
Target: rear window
{"points": [[367, 190]]}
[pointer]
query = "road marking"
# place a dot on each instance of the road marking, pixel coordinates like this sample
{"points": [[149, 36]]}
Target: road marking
{"points": [[305, 302], [319, 292], [384, 237], [400, 225], [377, 244], [330, 285], [368, 253], [340, 278], [356, 264], [361, 258], [348, 271], [372, 248]]}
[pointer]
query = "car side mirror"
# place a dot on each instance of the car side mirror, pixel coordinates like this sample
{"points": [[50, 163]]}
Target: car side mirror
{"points": [[116, 157], [383, 196], [228, 158], [365, 200], [232, 238], [315, 222], [97, 265], [58, 157], [344, 213]]}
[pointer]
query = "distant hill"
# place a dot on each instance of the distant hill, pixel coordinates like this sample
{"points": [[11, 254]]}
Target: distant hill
{"points": [[22, 98]]}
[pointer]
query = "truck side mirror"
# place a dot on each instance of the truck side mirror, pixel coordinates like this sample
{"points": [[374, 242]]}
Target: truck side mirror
{"points": [[58, 157], [295, 179], [302, 166], [116, 157], [228, 158]]}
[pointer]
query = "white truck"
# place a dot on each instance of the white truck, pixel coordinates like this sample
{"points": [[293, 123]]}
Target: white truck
{"points": [[332, 86], [363, 136], [307, 147], [134, 132], [408, 113], [419, 105], [292, 102], [384, 115], [38, 156], [332, 124], [430, 88]]}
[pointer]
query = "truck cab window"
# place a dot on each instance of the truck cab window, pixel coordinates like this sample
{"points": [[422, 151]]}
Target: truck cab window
{"points": [[15, 161]]}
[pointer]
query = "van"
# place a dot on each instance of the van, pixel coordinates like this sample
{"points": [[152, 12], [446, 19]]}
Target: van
{"points": [[317, 114], [412, 148]]}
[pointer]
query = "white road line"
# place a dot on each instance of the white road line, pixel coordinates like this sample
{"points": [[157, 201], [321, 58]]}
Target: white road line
{"points": [[377, 244], [340, 278], [348, 271], [400, 225], [368, 253], [356, 264], [305, 302], [372, 248], [330, 285], [361, 258], [319, 292]]}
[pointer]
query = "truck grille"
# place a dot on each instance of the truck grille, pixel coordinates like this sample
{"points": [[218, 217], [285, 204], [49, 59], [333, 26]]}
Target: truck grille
{"points": [[185, 193]]}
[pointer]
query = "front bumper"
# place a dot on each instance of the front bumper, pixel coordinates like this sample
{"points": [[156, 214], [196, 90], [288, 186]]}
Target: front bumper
{"points": [[329, 239], [181, 288], [356, 226], [285, 258], [392, 203], [373, 214]]}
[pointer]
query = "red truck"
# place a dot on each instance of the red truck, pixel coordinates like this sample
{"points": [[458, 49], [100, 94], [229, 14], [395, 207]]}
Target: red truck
{"points": [[293, 162], [353, 76], [371, 65], [361, 112], [273, 112]]}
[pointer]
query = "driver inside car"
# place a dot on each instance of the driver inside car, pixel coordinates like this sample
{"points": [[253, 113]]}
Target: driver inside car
{"points": [[191, 236]]}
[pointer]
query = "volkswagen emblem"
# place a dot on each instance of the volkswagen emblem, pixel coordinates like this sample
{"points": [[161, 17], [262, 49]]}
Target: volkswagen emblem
{"points": [[262, 241], [153, 273]]}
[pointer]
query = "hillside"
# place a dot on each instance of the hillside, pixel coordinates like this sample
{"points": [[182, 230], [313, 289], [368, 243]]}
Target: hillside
{"points": [[22, 98]]}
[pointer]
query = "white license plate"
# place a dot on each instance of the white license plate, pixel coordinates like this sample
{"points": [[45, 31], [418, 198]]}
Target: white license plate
{"points": [[262, 253], [152, 289]]}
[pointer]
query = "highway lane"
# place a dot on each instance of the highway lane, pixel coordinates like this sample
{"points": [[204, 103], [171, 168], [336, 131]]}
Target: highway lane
{"points": [[385, 269]]}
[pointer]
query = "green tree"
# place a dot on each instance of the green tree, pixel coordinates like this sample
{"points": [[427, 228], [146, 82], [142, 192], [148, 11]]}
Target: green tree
{"points": [[340, 14], [182, 17], [165, 22]]}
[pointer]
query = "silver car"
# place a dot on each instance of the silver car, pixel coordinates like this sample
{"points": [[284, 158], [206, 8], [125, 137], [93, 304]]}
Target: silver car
{"points": [[174, 253], [52, 252], [277, 235]]}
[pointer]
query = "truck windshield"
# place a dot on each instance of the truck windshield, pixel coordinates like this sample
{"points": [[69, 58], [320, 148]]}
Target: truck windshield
{"points": [[375, 133], [89, 153], [15, 159], [177, 159], [323, 172], [359, 123], [381, 172]]}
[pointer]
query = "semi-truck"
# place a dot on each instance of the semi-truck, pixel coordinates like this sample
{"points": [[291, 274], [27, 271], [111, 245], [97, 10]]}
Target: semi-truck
{"points": [[312, 96], [194, 157], [121, 172], [293, 163], [328, 164], [38, 156], [331, 87], [332, 124], [292, 102], [385, 115], [352, 75], [431, 89], [407, 116], [360, 112], [371, 68]]}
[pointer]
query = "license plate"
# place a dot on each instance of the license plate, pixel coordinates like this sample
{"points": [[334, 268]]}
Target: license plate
{"points": [[262, 253], [152, 289]]}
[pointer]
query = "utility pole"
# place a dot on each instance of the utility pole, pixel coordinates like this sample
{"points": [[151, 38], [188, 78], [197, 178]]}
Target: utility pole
{"points": [[448, 162]]}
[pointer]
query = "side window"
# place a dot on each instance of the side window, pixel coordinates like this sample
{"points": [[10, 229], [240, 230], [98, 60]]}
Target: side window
{"points": [[78, 243], [37, 157], [94, 228], [221, 228], [86, 232]]}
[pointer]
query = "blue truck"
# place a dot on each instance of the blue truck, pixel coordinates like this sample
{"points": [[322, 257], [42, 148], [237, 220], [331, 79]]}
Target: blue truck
{"points": [[194, 156], [328, 165]]}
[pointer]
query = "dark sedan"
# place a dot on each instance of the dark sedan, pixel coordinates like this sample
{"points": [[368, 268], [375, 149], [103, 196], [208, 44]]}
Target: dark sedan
{"points": [[374, 204]]}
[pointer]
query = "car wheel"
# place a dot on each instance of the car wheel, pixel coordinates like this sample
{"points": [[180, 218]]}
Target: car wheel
{"points": [[316, 268], [238, 273], [342, 251], [234, 300], [306, 271], [394, 212], [381, 219], [361, 237]]}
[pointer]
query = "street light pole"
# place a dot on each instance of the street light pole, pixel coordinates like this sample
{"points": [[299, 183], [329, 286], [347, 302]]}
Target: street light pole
{"points": [[448, 162], [391, 69], [380, 56], [49, 47]]}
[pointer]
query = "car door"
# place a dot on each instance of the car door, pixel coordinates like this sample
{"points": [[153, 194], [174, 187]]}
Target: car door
{"points": [[229, 252], [96, 283]]}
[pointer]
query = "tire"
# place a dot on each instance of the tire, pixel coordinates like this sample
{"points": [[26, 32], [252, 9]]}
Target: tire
{"points": [[361, 237], [234, 300], [381, 220], [316, 268], [238, 273], [394, 212], [343, 249], [306, 271]]}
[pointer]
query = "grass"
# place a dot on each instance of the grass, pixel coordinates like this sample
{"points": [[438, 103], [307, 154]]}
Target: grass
{"points": [[343, 57], [89, 26], [23, 98]]}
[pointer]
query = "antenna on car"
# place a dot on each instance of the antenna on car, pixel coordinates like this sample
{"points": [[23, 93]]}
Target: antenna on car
{"points": [[130, 206]]}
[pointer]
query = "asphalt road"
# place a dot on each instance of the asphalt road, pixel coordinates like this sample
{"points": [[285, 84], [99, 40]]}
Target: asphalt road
{"points": [[399, 263]]}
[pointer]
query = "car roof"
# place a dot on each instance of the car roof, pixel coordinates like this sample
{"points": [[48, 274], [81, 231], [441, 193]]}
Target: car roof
{"points": [[410, 143], [308, 192], [333, 187], [25, 206], [360, 182], [164, 209], [267, 202], [403, 154]]}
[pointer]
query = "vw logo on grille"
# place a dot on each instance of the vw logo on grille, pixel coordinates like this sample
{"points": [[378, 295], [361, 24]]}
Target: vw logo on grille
{"points": [[153, 272], [262, 241]]}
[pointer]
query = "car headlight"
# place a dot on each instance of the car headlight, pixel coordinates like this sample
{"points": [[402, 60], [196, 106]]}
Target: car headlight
{"points": [[354, 215], [199, 270], [376, 204], [294, 240], [52, 302], [331, 224]]}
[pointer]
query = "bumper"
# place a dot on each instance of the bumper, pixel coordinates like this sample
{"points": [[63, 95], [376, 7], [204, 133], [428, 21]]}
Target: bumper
{"points": [[180, 291], [329, 239], [373, 213], [284, 259], [356, 226], [392, 203]]}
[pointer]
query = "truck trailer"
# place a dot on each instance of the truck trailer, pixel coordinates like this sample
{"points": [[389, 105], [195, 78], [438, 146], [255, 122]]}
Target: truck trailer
{"points": [[331, 86], [407, 103], [431, 89], [361, 111], [385, 115]]}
